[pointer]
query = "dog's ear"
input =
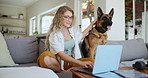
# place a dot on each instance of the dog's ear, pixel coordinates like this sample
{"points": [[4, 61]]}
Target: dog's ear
{"points": [[111, 13], [99, 11]]}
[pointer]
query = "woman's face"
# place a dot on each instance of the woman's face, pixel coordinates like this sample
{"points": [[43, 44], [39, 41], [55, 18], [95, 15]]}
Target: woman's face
{"points": [[67, 19]]}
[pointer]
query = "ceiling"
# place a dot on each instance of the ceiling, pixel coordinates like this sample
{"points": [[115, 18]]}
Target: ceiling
{"points": [[20, 3]]}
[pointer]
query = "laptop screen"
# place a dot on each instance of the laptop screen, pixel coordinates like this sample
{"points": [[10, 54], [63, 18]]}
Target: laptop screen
{"points": [[107, 58]]}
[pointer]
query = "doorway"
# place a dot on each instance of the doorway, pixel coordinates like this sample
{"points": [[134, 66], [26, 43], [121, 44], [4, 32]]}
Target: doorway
{"points": [[135, 21], [87, 13]]}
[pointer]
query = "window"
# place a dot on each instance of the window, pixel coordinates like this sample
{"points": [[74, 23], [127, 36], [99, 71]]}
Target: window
{"points": [[33, 26], [135, 20], [46, 21]]}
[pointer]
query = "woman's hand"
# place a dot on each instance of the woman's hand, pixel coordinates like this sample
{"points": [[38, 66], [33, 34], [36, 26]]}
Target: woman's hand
{"points": [[86, 64]]}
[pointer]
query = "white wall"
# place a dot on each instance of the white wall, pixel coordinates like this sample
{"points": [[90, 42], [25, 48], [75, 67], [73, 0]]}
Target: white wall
{"points": [[42, 6], [145, 27], [118, 28], [12, 10]]}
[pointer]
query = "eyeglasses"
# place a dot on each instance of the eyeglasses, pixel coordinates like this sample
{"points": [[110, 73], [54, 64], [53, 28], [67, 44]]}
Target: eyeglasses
{"points": [[68, 17]]}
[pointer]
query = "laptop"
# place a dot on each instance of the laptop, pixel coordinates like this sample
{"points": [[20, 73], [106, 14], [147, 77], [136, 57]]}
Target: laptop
{"points": [[107, 60]]}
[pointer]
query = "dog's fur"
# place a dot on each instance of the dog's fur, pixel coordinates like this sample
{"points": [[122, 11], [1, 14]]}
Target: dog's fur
{"points": [[97, 35]]}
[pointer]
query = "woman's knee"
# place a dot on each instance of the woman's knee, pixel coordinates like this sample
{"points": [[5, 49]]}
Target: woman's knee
{"points": [[49, 61], [52, 63]]}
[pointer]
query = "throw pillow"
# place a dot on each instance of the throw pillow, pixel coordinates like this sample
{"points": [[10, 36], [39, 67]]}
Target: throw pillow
{"points": [[5, 57], [132, 49], [23, 50]]}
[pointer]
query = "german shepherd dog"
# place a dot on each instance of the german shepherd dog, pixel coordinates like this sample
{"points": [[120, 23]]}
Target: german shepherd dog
{"points": [[97, 35]]}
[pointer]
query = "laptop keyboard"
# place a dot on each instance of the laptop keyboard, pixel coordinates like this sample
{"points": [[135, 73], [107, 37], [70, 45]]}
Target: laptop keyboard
{"points": [[84, 70]]}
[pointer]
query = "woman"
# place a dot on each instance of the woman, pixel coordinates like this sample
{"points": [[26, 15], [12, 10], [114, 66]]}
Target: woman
{"points": [[62, 43]]}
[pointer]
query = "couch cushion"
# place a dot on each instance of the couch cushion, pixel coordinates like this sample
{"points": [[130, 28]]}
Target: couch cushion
{"points": [[23, 50], [41, 46], [132, 49], [5, 57]]}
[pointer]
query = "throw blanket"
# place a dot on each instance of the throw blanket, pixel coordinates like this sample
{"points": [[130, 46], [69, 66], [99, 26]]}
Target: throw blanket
{"points": [[27, 72]]}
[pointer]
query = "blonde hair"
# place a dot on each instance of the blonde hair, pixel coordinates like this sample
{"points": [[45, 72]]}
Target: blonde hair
{"points": [[57, 23]]}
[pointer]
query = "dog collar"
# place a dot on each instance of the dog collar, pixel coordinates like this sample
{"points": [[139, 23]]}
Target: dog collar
{"points": [[100, 29]]}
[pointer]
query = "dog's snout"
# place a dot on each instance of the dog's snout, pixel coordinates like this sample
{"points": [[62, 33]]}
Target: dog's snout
{"points": [[108, 22]]}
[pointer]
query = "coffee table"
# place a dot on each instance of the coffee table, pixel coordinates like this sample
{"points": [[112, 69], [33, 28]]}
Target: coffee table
{"points": [[77, 74], [145, 71]]}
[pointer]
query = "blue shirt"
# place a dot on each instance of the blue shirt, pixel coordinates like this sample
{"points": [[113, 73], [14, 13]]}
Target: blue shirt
{"points": [[68, 46]]}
